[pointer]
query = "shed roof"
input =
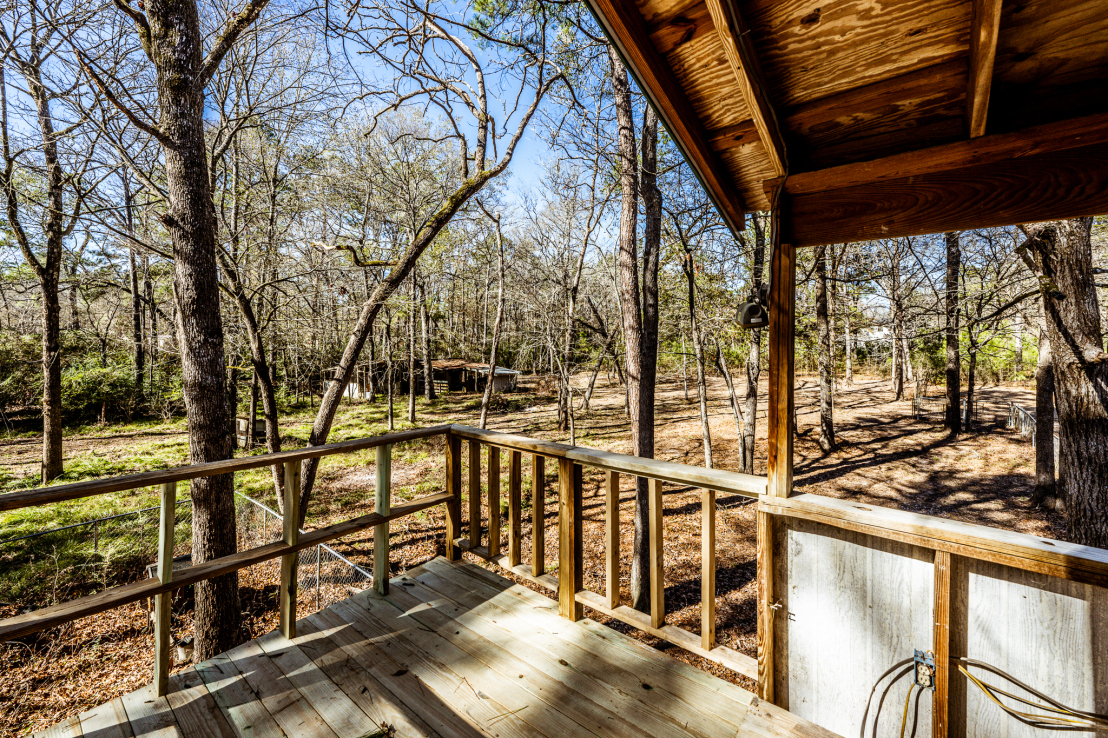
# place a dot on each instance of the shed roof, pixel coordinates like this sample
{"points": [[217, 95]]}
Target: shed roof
{"points": [[890, 118]]}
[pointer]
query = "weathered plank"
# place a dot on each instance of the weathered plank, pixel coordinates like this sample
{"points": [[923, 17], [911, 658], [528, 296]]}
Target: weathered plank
{"points": [[984, 31], [474, 494], [515, 508], [453, 495], [657, 554], [290, 534], [611, 537], [68, 728], [494, 501], [570, 574], [382, 503], [940, 699], [150, 715], [194, 708], [666, 471], [538, 515], [782, 317], [163, 603], [106, 721], [707, 569], [237, 703], [766, 606]]}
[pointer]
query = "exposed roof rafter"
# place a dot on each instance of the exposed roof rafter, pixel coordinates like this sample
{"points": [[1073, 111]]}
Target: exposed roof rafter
{"points": [[739, 49], [984, 32]]}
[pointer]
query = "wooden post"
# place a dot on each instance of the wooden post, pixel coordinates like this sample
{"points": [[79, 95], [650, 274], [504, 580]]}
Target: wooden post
{"points": [[782, 311], [570, 578], [454, 504], [611, 538], [940, 710], [474, 494], [764, 559], [163, 603], [382, 505], [657, 562], [515, 508], [291, 536], [538, 515], [708, 569], [494, 501]]}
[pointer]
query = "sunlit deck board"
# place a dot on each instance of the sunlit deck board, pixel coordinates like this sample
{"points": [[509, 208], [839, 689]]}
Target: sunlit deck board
{"points": [[452, 651]]}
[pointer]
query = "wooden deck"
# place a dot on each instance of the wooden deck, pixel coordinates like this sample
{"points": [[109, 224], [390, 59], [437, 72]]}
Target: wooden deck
{"points": [[452, 650]]}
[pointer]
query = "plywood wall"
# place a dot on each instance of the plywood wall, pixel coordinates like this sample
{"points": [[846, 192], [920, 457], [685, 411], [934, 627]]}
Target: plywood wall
{"points": [[852, 605]]}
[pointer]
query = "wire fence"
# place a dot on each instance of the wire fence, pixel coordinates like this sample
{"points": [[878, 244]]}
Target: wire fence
{"points": [[54, 565], [1024, 420]]}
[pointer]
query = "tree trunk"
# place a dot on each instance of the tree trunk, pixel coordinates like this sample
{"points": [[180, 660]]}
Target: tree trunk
{"points": [[252, 413], [826, 414], [176, 44], [411, 350], [1046, 492], [388, 368], [496, 324], [754, 359], [971, 380], [848, 337], [428, 370], [953, 358], [701, 384], [1062, 256]]}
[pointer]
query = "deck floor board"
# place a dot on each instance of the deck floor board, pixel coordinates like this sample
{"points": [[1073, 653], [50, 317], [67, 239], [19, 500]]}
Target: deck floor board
{"points": [[452, 652]]}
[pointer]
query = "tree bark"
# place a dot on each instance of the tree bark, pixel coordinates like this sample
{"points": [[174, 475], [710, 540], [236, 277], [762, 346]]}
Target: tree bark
{"points": [[698, 351], [826, 414], [428, 370], [411, 349], [953, 358], [1061, 253], [754, 359], [496, 324], [1046, 492]]}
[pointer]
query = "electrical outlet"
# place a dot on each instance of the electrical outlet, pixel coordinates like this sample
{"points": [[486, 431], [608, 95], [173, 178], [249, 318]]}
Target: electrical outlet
{"points": [[925, 669]]}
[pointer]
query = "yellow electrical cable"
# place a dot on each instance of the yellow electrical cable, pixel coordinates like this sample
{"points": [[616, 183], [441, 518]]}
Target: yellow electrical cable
{"points": [[1057, 721], [907, 699]]}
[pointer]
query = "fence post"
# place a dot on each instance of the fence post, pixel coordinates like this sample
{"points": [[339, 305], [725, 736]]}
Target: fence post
{"points": [[515, 508], [474, 494], [657, 564], [538, 515], [611, 535], [454, 504], [494, 500], [708, 569], [569, 539], [291, 537], [163, 603], [381, 532]]}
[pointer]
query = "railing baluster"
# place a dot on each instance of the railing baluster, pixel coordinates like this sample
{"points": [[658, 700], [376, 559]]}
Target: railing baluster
{"points": [[163, 603], [494, 501], [291, 536], [382, 504], [454, 503], [515, 508], [657, 575], [474, 494], [708, 569], [569, 540], [611, 537], [538, 515]]}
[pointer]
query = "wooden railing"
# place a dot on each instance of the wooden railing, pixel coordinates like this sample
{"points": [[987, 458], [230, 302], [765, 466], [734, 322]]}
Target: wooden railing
{"points": [[568, 584]]}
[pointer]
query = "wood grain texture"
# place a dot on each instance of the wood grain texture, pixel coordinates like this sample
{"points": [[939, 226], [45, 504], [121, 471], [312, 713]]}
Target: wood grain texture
{"points": [[707, 569], [1067, 184], [382, 500], [625, 27], [494, 500], [515, 508], [940, 698], [290, 535], [738, 47], [765, 566], [720, 480], [1018, 550], [77, 490], [163, 603], [782, 307], [194, 708], [454, 495], [570, 528], [611, 538], [657, 541], [474, 494], [538, 514], [106, 721], [984, 31]]}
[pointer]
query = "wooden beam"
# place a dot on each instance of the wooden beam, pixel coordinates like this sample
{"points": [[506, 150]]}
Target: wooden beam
{"points": [[515, 508], [163, 603], [382, 504], [1066, 184], [570, 551], [611, 538], [940, 706], [782, 299], [657, 554], [538, 514], [626, 29], [984, 31], [454, 492], [290, 536], [994, 149], [474, 494], [764, 563], [707, 569], [494, 500], [739, 50]]}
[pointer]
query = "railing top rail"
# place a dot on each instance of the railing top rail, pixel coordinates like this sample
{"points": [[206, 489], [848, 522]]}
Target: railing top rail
{"points": [[666, 471], [89, 488]]}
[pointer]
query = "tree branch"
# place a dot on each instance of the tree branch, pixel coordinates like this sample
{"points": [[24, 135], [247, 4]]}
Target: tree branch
{"points": [[227, 38]]}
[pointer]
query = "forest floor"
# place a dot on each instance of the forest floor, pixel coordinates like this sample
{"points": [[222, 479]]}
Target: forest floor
{"points": [[885, 456]]}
